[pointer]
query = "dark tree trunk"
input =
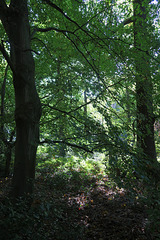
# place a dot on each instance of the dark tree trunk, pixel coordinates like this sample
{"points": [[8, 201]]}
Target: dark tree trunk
{"points": [[144, 86], [28, 107]]}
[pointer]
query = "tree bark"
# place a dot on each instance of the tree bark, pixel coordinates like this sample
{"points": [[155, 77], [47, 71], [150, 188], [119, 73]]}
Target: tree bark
{"points": [[144, 85], [28, 108]]}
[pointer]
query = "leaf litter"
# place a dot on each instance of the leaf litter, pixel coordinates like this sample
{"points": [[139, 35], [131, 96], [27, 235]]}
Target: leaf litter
{"points": [[83, 208]]}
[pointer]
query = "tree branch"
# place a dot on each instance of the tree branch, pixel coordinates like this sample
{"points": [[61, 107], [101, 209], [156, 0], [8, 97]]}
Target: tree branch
{"points": [[48, 30], [78, 49], [6, 56], [3, 89], [53, 5], [84, 148], [127, 21], [67, 17]]}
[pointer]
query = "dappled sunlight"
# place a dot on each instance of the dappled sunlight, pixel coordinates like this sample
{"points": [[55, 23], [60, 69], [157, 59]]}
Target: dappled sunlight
{"points": [[98, 204], [102, 206], [82, 205]]}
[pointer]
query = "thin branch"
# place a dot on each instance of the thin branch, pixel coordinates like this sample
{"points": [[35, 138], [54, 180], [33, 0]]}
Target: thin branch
{"points": [[48, 30], [127, 21], [31, 50], [44, 46], [67, 17], [82, 54], [3, 88], [83, 105], [91, 19], [65, 34], [62, 111], [7, 57], [50, 3], [84, 148]]}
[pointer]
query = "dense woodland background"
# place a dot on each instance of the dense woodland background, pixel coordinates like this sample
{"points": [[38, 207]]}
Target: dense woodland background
{"points": [[80, 94]]}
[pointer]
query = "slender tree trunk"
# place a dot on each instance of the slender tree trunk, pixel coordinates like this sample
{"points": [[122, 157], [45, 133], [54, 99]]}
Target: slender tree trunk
{"points": [[144, 86], [8, 144], [28, 108], [128, 108], [8, 153], [62, 120], [85, 110], [8, 157], [3, 90], [2, 103]]}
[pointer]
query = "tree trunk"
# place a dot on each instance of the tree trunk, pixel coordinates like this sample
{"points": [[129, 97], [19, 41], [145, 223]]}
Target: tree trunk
{"points": [[28, 108], [144, 86], [8, 157], [85, 110]]}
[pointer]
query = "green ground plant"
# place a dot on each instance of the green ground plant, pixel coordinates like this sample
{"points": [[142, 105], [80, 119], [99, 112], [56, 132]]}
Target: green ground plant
{"points": [[64, 188]]}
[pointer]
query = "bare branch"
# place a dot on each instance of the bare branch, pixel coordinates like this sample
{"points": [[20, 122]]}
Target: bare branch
{"points": [[6, 56], [84, 148]]}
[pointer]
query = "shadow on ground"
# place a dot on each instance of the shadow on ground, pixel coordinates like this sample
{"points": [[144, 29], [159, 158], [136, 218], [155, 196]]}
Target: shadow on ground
{"points": [[74, 205]]}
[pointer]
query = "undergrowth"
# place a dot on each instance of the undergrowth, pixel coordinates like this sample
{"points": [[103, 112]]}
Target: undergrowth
{"points": [[54, 212]]}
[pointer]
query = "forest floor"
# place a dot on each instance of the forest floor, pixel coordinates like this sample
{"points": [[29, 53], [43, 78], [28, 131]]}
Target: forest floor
{"points": [[75, 206]]}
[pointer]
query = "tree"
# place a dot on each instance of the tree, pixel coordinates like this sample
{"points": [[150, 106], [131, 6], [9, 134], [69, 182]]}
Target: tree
{"points": [[144, 83], [78, 46], [7, 128], [28, 108]]}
